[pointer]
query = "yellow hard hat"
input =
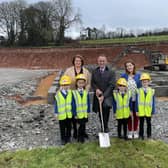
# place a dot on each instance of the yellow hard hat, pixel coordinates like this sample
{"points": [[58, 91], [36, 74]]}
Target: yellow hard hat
{"points": [[145, 76], [65, 80], [122, 81], [81, 76]]}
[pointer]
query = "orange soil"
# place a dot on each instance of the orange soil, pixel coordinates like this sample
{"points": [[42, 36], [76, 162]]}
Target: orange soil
{"points": [[42, 90], [162, 98]]}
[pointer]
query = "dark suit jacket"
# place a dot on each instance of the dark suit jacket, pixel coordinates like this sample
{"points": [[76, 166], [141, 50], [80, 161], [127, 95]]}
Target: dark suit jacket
{"points": [[106, 82]]}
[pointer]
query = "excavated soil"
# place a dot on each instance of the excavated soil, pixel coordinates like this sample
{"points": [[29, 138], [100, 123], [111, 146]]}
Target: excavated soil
{"points": [[61, 58], [42, 90]]}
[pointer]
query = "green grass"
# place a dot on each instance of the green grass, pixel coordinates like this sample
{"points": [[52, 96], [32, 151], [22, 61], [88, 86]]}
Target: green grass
{"points": [[121, 154], [145, 39]]}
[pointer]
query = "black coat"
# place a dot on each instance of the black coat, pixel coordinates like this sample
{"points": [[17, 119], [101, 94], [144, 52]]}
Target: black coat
{"points": [[105, 82]]}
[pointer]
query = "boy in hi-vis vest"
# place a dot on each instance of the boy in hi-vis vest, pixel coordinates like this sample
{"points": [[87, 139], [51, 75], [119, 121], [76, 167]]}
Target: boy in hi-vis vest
{"points": [[145, 105], [63, 108], [82, 106], [122, 106]]}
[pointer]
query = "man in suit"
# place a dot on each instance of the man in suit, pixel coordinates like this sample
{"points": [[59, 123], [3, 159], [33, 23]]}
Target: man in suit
{"points": [[103, 83]]}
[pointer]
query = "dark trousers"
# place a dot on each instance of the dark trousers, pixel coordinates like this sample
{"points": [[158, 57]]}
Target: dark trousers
{"points": [[105, 113], [141, 126], [65, 129], [133, 127], [81, 129], [122, 123], [74, 124]]}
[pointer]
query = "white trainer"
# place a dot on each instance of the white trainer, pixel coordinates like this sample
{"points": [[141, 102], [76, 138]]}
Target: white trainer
{"points": [[130, 135], [136, 135]]}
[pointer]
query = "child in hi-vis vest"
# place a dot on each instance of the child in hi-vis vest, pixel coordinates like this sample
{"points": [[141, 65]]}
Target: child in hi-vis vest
{"points": [[82, 106], [145, 105], [122, 106], [63, 108]]}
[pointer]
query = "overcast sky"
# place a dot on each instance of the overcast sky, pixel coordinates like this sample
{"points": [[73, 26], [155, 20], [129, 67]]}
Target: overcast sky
{"points": [[131, 14], [124, 13]]}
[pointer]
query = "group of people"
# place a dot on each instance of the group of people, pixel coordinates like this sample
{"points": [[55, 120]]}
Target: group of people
{"points": [[131, 98]]}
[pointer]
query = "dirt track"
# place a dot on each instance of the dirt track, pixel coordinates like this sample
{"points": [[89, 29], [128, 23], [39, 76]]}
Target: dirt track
{"points": [[42, 90]]}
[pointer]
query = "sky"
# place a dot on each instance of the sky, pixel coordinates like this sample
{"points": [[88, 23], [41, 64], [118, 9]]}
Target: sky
{"points": [[124, 13], [128, 14]]}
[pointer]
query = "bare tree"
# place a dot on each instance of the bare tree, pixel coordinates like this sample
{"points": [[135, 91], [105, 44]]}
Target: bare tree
{"points": [[103, 31], [10, 18], [46, 12], [96, 31], [89, 32], [45, 20], [63, 17], [120, 31]]}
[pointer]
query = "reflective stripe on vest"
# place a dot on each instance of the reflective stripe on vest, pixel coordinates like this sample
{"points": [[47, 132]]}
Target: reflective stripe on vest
{"points": [[145, 102], [122, 105], [64, 105], [81, 104]]}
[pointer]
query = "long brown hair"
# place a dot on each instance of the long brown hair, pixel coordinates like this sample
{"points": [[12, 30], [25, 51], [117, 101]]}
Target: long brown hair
{"points": [[132, 62]]}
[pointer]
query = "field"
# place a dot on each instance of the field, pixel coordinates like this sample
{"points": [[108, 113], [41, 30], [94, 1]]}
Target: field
{"points": [[122, 154], [130, 40]]}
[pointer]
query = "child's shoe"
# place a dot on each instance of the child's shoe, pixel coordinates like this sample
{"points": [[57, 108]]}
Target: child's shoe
{"points": [[75, 135], [63, 142], [130, 135], [141, 137], [125, 138], [86, 135], [81, 139], [136, 135]]}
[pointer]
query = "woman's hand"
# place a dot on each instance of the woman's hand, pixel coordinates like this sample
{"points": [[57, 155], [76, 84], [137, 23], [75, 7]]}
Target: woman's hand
{"points": [[98, 92], [101, 98]]}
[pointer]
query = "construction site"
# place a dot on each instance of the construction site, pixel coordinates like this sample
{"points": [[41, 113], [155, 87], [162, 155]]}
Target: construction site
{"points": [[30, 79]]}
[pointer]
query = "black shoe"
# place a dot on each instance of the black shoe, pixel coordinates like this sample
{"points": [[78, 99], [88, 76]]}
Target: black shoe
{"points": [[120, 137], [68, 140], [63, 142], [81, 140], [141, 137], [106, 130], [75, 135], [125, 138], [86, 136]]}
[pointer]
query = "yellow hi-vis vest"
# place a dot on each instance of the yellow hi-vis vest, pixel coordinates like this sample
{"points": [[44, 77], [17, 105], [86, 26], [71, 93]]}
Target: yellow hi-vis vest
{"points": [[145, 102], [81, 104], [64, 105], [122, 104]]}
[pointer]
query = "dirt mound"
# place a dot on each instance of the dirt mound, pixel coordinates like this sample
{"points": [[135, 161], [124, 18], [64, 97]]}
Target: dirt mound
{"points": [[139, 59], [52, 58], [36, 58]]}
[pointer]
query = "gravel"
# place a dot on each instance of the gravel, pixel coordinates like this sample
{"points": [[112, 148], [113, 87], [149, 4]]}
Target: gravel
{"points": [[35, 125]]}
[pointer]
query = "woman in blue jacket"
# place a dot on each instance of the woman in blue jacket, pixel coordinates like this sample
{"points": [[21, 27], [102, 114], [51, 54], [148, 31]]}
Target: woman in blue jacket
{"points": [[133, 79]]}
